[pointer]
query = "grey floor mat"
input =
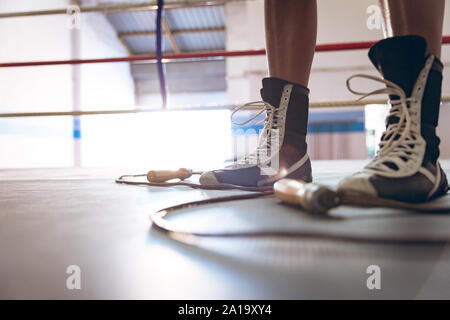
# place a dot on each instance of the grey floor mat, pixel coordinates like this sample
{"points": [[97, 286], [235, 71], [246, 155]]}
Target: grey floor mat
{"points": [[50, 219]]}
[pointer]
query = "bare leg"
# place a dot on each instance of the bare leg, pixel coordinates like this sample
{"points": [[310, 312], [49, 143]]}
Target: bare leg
{"points": [[415, 17], [291, 29]]}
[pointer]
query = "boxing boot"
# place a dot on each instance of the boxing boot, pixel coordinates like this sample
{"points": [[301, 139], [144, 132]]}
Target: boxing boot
{"points": [[282, 149], [406, 167]]}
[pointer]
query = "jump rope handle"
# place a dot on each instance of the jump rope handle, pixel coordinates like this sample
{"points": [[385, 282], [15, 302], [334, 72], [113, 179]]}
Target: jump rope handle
{"points": [[159, 176], [311, 197]]}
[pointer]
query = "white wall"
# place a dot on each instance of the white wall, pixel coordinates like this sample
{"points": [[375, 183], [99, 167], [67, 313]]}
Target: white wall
{"points": [[337, 23], [33, 38], [245, 30], [104, 85], [48, 141]]}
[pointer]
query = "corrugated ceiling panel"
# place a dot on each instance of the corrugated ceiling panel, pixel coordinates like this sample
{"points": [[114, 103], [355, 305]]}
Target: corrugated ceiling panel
{"points": [[133, 21], [112, 2], [201, 41], [196, 18], [179, 19], [146, 44]]}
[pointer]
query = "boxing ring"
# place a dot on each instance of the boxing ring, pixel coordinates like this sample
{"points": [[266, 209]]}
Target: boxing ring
{"points": [[55, 218]]}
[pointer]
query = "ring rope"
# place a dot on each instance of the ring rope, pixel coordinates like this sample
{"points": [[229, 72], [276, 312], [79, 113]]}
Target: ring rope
{"points": [[319, 104]]}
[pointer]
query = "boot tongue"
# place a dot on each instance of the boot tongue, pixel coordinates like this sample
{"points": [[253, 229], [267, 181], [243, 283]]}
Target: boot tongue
{"points": [[400, 59]]}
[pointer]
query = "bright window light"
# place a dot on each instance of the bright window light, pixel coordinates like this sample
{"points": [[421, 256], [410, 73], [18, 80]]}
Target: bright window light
{"points": [[162, 140]]}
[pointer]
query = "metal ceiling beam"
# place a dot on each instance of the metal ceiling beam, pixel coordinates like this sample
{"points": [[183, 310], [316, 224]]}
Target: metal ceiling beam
{"points": [[129, 7], [168, 32], [174, 32]]}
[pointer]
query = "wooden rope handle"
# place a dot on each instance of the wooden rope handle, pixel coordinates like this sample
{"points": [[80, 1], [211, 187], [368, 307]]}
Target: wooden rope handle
{"points": [[311, 197], [166, 175]]}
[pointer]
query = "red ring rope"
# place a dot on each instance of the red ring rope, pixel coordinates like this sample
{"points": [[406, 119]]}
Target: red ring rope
{"points": [[196, 55]]}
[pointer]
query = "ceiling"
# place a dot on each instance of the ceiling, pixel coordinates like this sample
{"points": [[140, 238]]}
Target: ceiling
{"points": [[185, 29], [194, 25], [193, 29]]}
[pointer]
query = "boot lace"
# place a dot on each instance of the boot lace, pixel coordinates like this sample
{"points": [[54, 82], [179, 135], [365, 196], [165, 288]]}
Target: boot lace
{"points": [[272, 122], [398, 145]]}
